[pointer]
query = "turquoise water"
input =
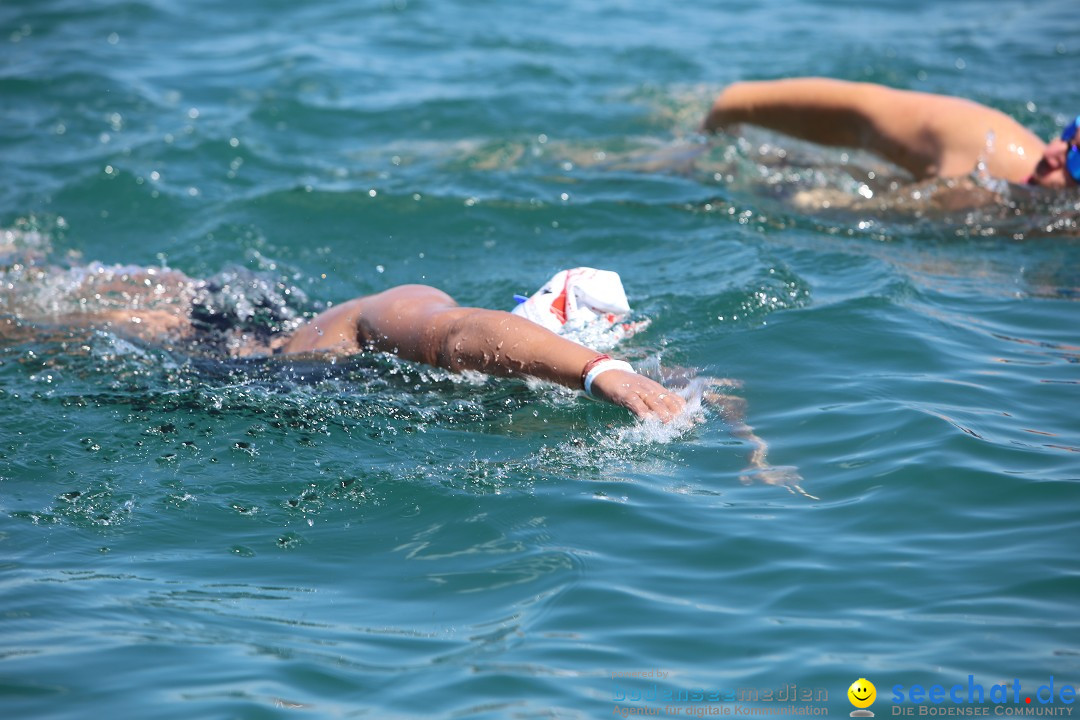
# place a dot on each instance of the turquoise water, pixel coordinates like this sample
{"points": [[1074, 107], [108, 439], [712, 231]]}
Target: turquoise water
{"points": [[386, 540]]}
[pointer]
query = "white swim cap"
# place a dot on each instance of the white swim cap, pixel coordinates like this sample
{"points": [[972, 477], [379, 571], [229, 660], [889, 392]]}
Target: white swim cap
{"points": [[583, 303]]}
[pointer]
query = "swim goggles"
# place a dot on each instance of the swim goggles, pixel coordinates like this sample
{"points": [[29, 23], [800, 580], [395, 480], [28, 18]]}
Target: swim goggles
{"points": [[1072, 157]]}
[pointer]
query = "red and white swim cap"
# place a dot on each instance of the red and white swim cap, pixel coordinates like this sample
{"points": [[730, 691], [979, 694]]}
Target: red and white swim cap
{"points": [[584, 303]]}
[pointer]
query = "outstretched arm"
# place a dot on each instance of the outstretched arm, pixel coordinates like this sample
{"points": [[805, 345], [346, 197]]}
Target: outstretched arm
{"points": [[927, 135], [423, 324]]}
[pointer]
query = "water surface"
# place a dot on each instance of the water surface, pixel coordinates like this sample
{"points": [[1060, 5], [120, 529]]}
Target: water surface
{"points": [[250, 540]]}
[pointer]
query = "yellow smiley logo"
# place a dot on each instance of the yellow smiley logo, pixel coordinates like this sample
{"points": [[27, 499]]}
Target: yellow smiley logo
{"points": [[862, 693]]}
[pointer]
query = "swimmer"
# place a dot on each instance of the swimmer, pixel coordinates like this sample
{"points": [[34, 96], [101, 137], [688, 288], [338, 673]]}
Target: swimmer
{"points": [[238, 314], [929, 136]]}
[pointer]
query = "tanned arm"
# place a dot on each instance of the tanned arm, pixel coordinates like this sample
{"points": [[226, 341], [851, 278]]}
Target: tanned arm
{"points": [[423, 324], [927, 135]]}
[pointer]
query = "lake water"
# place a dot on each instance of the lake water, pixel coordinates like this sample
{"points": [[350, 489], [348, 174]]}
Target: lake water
{"points": [[181, 540]]}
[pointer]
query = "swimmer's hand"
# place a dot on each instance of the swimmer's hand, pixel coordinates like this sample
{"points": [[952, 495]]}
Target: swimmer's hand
{"points": [[638, 394]]}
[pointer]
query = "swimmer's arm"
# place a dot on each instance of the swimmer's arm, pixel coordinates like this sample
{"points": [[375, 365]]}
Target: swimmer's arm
{"points": [[425, 325], [888, 122], [927, 135], [816, 109]]}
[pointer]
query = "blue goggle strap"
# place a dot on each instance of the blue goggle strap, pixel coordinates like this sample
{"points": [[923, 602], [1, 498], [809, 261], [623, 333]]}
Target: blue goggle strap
{"points": [[1072, 157], [1070, 130]]}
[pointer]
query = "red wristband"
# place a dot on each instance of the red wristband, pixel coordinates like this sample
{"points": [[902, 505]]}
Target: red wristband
{"points": [[591, 364]]}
